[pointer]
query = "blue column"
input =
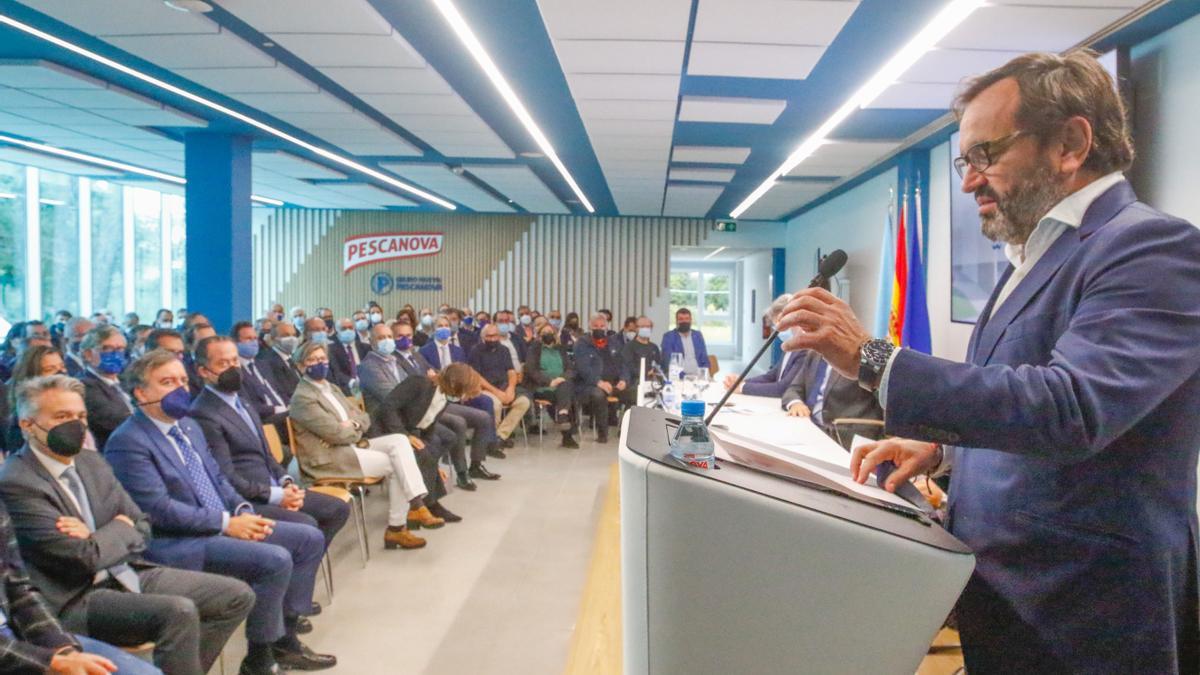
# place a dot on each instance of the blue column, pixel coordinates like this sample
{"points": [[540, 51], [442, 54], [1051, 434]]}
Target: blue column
{"points": [[778, 288], [219, 258]]}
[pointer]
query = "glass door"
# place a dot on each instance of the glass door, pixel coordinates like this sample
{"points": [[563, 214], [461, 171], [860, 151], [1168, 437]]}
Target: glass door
{"points": [[709, 291]]}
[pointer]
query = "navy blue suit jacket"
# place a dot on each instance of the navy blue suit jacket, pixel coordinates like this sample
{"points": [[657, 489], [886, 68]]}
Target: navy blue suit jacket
{"points": [[776, 380], [430, 353], [590, 363], [242, 453], [151, 471], [1075, 477]]}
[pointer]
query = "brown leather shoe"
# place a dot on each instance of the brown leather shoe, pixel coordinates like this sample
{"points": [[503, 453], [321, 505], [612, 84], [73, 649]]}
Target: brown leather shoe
{"points": [[401, 539], [418, 518]]}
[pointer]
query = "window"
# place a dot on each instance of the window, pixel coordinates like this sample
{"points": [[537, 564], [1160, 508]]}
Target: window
{"points": [[708, 291], [147, 249], [58, 224], [108, 239], [12, 243], [173, 218]]}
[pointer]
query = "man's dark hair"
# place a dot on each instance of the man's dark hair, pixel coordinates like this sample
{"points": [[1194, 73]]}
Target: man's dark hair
{"points": [[683, 310], [233, 332], [200, 355], [1056, 88], [158, 334]]}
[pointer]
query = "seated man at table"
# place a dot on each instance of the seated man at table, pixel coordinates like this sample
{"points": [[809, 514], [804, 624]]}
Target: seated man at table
{"points": [[201, 523], [818, 391], [775, 381], [235, 437], [82, 537]]}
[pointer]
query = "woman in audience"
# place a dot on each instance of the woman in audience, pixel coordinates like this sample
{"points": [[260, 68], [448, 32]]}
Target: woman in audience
{"points": [[330, 443], [550, 372], [571, 331], [37, 361]]}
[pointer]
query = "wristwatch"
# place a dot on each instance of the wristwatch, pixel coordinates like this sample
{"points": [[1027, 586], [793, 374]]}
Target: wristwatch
{"points": [[873, 359]]}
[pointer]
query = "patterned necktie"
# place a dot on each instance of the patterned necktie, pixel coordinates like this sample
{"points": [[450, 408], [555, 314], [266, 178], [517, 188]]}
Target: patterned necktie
{"points": [[123, 572], [272, 397], [195, 467]]}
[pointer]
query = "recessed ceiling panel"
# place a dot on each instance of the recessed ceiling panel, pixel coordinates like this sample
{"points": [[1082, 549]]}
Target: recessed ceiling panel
{"points": [[616, 19], [620, 56], [111, 98], [436, 104], [625, 86], [734, 110], [123, 17], [277, 79], [520, 184], [355, 17], [290, 165], [708, 175], [690, 200], [951, 66], [626, 110], [164, 117], [709, 154], [377, 51], [782, 199], [211, 50], [443, 181], [319, 102], [728, 59], [368, 193], [781, 22]]}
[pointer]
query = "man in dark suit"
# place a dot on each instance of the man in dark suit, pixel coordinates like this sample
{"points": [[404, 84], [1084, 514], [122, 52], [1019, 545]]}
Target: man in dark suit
{"points": [[74, 331], [1070, 432], [235, 438], [32, 641], [103, 349], [201, 523], [819, 392], [198, 329], [346, 352], [599, 373], [774, 382], [274, 364], [464, 335], [82, 537], [441, 351]]}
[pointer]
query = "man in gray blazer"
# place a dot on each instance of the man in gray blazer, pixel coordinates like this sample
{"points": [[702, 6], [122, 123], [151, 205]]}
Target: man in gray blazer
{"points": [[82, 537]]}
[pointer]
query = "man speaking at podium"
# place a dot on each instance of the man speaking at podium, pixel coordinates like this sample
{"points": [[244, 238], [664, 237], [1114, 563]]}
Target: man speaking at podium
{"points": [[1072, 431]]}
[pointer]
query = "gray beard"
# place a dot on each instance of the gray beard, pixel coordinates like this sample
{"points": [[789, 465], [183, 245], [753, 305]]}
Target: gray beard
{"points": [[1018, 212]]}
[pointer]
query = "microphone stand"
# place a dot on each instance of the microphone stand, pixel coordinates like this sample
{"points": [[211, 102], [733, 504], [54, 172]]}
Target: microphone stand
{"points": [[746, 371]]}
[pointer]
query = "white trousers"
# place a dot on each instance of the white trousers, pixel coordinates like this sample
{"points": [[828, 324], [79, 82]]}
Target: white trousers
{"points": [[392, 457]]}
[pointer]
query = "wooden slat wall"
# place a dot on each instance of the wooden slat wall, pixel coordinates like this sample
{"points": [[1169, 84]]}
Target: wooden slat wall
{"points": [[572, 263]]}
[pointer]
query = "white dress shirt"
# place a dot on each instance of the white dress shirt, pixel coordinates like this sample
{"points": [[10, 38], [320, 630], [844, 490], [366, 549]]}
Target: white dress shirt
{"points": [[444, 354]]}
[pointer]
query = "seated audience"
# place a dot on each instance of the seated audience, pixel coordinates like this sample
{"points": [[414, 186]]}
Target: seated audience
{"points": [[498, 367], [571, 331], [73, 334], [684, 340], [346, 354], [82, 537], [440, 352], [550, 373], [22, 336], [235, 438], [274, 363], [108, 404], [599, 374], [164, 319], [35, 362], [200, 522], [523, 330], [515, 347], [330, 437], [776, 380], [32, 641], [257, 391], [462, 327], [197, 329], [627, 334], [137, 341], [165, 338], [641, 347]]}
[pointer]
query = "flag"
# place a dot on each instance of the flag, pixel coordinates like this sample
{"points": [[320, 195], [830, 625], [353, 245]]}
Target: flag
{"points": [[900, 278], [887, 271], [916, 334]]}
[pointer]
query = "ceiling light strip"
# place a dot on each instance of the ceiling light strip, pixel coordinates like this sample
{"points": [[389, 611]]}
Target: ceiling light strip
{"points": [[111, 164], [471, 42], [331, 156], [716, 252], [951, 15]]}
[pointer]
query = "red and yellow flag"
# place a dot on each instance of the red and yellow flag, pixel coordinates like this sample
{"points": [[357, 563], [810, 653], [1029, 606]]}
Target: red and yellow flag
{"points": [[900, 281]]}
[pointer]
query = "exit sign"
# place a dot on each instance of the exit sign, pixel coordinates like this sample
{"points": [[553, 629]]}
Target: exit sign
{"points": [[725, 226]]}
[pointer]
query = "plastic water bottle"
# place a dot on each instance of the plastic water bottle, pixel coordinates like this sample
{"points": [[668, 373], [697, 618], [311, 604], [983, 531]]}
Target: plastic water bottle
{"points": [[692, 443], [669, 398]]}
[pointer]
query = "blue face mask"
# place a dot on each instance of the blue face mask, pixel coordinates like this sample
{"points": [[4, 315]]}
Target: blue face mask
{"points": [[385, 346], [112, 363], [403, 343], [645, 332], [346, 336], [318, 337], [317, 371], [248, 350], [298, 322], [442, 334], [468, 320], [362, 325], [176, 403], [505, 328], [557, 323], [785, 335]]}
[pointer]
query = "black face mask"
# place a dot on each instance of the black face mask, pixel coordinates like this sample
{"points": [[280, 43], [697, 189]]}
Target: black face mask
{"points": [[66, 439], [548, 339], [684, 326], [491, 346], [230, 381], [599, 333]]}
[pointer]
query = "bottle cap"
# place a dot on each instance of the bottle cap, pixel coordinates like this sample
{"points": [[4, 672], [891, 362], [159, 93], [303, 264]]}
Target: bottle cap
{"points": [[692, 408]]}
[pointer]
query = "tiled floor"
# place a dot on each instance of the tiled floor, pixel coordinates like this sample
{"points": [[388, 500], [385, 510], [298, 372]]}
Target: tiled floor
{"points": [[497, 593]]}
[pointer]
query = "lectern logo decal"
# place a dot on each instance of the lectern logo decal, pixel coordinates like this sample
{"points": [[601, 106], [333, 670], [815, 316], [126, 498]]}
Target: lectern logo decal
{"points": [[373, 248]]}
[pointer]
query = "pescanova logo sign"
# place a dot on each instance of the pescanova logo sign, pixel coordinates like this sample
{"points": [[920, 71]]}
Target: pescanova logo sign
{"points": [[372, 248]]}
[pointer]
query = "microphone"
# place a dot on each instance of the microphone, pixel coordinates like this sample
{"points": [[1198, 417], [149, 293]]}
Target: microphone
{"points": [[829, 266]]}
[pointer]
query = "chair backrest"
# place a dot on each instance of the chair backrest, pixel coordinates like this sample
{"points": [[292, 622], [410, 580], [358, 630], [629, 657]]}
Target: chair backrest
{"points": [[291, 432], [274, 443], [358, 401], [713, 368]]}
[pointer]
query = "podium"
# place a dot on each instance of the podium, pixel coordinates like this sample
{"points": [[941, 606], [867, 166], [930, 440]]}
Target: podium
{"points": [[739, 571]]}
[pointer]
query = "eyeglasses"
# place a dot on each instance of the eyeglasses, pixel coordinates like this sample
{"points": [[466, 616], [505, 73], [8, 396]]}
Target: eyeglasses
{"points": [[982, 155]]}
